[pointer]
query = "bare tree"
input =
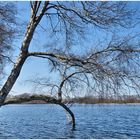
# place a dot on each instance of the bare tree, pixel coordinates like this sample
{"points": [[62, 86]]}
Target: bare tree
{"points": [[7, 32], [107, 67]]}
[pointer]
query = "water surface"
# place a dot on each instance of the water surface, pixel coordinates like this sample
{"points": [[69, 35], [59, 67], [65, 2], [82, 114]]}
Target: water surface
{"points": [[49, 121]]}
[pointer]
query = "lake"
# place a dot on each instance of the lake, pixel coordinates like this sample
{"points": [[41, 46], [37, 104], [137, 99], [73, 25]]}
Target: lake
{"points": [[50, 121]]}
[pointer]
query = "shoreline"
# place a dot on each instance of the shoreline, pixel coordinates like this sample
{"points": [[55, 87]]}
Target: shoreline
{"points": [[77, 103]]}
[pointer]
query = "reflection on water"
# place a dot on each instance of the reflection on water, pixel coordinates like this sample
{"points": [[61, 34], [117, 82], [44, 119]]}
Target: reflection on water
{"points": [[49, 121]]}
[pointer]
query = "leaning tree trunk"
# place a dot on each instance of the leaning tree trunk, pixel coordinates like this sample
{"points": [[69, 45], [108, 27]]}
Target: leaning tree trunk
{"points": [[69, 111], [19, 63], [34, 21], [12, 78]]}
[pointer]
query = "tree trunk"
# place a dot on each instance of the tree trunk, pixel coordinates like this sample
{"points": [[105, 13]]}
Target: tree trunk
{"points": [[34, 21], [69, 111], [19, 63], [12, 78]]}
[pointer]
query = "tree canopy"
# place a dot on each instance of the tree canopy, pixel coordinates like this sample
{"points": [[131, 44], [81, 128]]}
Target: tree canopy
{"points": [[109, 67]]}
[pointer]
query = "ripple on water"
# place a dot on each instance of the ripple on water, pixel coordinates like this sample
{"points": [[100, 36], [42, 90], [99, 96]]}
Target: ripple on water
{"points": [[49, 121]]}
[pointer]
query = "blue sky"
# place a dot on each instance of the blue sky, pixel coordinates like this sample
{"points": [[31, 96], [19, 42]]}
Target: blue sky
{"points": [[35, 66], [32, 66]]}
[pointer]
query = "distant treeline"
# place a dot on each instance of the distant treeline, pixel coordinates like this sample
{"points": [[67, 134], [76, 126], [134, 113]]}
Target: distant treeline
{"points": [[38, 99], [98, 100]]}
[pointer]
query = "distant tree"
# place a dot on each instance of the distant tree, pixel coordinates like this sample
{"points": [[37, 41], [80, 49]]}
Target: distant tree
{"points": [[8, 31], [110, 67]]}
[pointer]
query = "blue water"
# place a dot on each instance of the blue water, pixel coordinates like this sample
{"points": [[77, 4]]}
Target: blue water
{"points": [[49, 121]]}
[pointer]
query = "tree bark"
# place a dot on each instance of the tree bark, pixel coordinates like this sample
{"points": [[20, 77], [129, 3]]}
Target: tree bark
{"points": [[34, 21], [20, 61], [12, 77], [69, 111]]}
